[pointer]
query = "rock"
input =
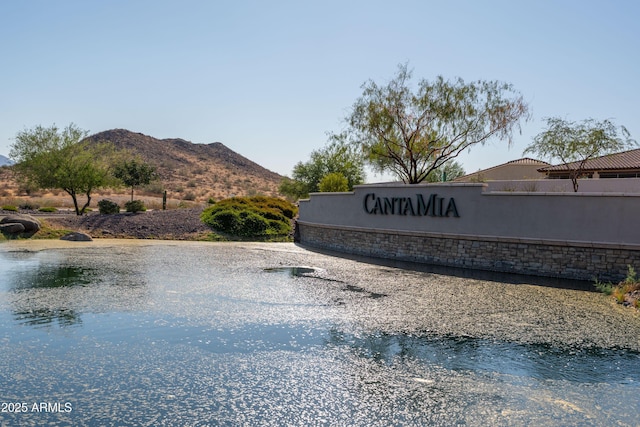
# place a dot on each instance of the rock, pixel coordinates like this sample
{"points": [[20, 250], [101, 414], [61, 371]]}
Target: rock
{"points": [[31, 225], [77, 236], [11, 228]]}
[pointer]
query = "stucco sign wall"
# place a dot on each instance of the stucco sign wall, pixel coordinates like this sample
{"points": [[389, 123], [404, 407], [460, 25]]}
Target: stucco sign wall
{"points": [[561, 234]]}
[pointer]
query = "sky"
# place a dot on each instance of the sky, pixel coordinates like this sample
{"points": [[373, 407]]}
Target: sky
{"points": [[270, 79]]}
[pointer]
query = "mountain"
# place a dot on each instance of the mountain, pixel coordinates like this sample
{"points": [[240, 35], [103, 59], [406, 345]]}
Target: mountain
{"points": [[195, 171], [5, 161]]}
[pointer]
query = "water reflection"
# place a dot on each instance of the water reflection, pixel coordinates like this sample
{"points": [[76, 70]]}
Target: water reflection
{"points": [[54, 288], [292, 271], [542, 362], [42, 317], [52, 277]]}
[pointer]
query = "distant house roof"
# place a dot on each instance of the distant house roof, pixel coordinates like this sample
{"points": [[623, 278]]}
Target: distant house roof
{"points": [[626, 160], [525, 168]]}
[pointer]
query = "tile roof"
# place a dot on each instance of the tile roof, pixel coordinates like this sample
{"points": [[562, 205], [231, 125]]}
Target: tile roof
{"points": [[618, 161], [525, 161]]}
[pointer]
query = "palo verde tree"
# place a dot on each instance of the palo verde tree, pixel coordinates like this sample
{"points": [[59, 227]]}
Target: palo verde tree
{"points": [[134, 172], [411, 133], [337, 157], [576, 143], [52, 158]]}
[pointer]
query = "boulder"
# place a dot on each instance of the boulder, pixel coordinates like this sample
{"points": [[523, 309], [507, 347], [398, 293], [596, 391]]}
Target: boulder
{"points": [[31, 225], [12, 228], [77, 236]]}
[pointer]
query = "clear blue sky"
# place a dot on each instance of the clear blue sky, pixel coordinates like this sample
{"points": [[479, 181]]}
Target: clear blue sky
{"points": [[270, 78]]}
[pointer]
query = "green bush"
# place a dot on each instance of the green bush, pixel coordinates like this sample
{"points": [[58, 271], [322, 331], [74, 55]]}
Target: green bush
{"points": [[10, 208], [107, 207], [253, 224], [333, 182], [257, 216], [135, 206], [228, 221], [48, 209]]}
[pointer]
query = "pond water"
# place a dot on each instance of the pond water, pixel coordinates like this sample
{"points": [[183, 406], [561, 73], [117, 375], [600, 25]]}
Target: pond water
{"points": [[178, 333]]}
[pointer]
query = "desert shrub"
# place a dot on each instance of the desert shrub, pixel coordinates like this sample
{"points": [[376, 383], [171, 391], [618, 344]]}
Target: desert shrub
{"points": [[107, 207], [258, 216], [189, 195], [29, 206], [333, 182], [10, 208], [279, 227], [253, 224], [623, 292], [155, 187], [287, 209], [135, 206], [227, 221], [48, 209], [631, 276], [604, 287]]}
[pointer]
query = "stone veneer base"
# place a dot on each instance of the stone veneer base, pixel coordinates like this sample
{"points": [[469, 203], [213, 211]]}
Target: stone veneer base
{"points": [[551, 258]]}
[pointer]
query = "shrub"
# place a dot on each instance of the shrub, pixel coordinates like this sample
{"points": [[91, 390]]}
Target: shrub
{"points": [[107, 207], [28, 206], [623, 292], [10, 208], [257, 216], [333, 182], [605, 288], [135, 206], [631, 276], [253, 224], [189, 195], [154, 188], [227, 221], [48, 209]]}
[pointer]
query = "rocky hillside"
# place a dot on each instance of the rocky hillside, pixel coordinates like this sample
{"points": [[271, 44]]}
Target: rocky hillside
{"points": [[195, 171]]}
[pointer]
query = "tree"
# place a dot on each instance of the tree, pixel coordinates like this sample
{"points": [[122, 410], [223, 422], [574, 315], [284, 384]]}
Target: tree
{"points": [[575, 143], [134, 173], [333, 182], [52, 158], [336, 157], [411, 134], [447, 172], [292, 189]]}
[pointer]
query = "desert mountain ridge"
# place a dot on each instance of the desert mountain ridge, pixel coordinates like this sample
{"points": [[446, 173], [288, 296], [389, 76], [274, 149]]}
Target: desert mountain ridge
{"points": [[187, 171], [195, 171]]}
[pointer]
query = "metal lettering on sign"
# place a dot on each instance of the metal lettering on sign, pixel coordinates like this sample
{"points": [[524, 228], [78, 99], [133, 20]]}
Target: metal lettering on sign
{"points": [[419, 206]]}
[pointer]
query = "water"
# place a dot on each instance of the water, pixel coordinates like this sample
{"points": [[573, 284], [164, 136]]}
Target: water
{"points": [[163, 333]]}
